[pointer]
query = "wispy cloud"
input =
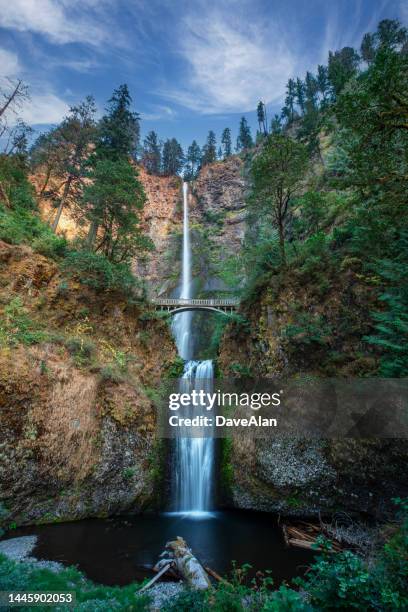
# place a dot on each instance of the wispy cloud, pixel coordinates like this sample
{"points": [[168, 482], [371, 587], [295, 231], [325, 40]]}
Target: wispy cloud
{"points": [[59, 21], [9, 63], [46, 108], [230, 66], [159, 112]]}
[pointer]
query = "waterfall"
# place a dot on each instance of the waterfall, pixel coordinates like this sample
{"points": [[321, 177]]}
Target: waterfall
{"points": [[194, 457]]}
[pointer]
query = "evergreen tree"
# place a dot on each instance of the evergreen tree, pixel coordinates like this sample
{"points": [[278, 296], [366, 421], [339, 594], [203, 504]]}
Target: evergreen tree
{"points": [[114, 199], [300, 95], [322, 83], [193, 161], [390, 34], [118, 139], [119, 129], [311, 91], [151, 157], [277, 174], [276, 125], [172, 157], [219, 153], [289, 109], [210, 149], [342, 66], [244, 139], [261, 114], [226, 143], [367, 48], [71, 143]]}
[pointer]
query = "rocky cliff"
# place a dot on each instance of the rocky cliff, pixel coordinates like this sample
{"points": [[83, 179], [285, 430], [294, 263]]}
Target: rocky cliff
{"points": [[161, 221], [77, 377], [295, 325]]}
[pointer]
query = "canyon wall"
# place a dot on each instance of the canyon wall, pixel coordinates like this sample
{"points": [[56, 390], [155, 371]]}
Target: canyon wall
{"points": [[77, 426]]}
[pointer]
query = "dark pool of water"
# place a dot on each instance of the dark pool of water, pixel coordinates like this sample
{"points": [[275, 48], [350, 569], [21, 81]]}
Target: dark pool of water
{"points": [[121, 550]]}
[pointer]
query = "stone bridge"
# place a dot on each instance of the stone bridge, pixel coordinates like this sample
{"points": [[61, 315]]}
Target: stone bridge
{"points": [[175, 305]]}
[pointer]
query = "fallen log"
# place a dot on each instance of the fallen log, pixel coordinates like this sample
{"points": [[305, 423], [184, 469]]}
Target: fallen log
{"points": [[151, 582], [214, 575], [190, 569]]}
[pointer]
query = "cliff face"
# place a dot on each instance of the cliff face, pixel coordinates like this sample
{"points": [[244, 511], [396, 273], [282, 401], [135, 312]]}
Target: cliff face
{"points": [[296, 326], [161, 219], [77, 373], [218, 218]]}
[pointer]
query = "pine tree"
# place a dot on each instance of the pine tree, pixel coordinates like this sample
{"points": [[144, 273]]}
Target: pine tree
{"points": [[117, 142], [114, 199], [261, 114], [172, 157], [210, 149], [367, 48], [342, 66], [276, 125], [290, 100], [244, 139], [71, 142], [311, 90], [277, 174], [300, 95], [226, 142], [119, 129], [193, 161], [322, 83], [151, 157]]}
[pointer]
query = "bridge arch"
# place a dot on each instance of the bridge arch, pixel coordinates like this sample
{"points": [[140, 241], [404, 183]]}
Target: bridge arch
{"points": [[176, 305]]}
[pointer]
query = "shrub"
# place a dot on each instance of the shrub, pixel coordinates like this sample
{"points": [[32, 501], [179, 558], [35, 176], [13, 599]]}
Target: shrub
{"points": [[17, 327], [81, 349], [96, 271], [50, 245], [90, 597]]}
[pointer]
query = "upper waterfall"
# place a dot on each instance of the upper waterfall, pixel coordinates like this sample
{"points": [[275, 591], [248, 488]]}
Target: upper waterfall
{"points": [[182, 322]]}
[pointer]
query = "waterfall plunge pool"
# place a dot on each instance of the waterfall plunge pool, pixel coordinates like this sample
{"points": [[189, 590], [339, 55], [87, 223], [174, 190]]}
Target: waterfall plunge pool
{"points": [[122, 550]]}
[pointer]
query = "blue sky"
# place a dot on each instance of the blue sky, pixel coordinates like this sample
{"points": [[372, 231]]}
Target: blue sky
{"points": [[191, 65]]}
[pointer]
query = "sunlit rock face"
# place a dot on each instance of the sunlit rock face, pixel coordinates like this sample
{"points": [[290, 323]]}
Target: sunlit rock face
{"points": [[77, 420]]}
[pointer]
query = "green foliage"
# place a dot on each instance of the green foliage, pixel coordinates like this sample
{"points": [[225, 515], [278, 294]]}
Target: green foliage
{"points": [[50, 245], [176, 368], [81, 349], [96, 271], [17, 327], [113, 201], [172, 158], [307, 330], [244, 138], [90, 597], [13, 177], [391, 325]]}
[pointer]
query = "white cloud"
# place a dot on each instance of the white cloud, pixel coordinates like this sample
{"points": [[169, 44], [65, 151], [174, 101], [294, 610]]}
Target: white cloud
{"points": [[9, 64], [59, 21], [159, 112], [44, 108], [232, 66]]}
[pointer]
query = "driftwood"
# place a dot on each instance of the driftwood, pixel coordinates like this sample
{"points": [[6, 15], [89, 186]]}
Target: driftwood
{"points": [[151, 582], [214, 575], [180, 556], [305, 535]]}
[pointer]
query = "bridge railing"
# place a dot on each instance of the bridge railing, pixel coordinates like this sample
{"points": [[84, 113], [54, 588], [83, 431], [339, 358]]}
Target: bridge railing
{"points": [[195, 302]]}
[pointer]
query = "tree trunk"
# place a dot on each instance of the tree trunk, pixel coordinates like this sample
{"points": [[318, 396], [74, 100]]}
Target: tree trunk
{"points": [[4, 196], [282, 242], [93, 229], [61, 206], [178, 553]]}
